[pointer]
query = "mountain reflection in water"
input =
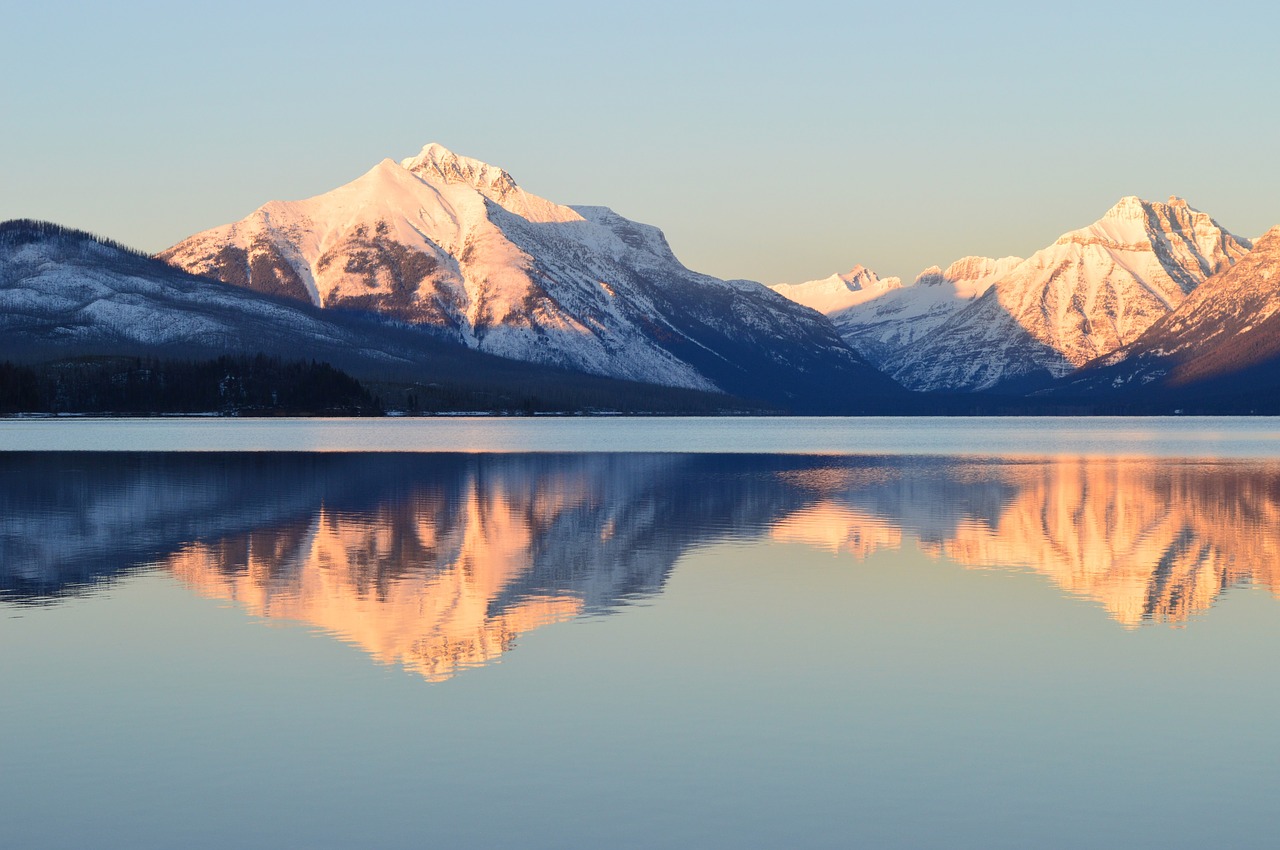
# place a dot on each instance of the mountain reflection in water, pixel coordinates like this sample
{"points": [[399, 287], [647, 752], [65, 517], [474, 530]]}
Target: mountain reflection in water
{"points": [[440, 561]]}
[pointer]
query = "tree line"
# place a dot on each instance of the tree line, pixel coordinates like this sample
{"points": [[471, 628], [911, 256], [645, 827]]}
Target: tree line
{"points": [[231, 384]]}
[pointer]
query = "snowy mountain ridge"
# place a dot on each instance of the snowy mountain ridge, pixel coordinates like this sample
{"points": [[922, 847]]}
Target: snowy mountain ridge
{"points": [[455, 245], [840, 291], [1224, 336], [1014, 323], [883, 318]]}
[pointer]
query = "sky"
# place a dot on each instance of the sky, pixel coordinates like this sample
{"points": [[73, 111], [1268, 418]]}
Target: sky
{"points": [[778, 142]]}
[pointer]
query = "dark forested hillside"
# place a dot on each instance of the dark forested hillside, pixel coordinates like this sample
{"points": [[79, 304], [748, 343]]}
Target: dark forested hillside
{"points": [[242, 385], [262, 385]]}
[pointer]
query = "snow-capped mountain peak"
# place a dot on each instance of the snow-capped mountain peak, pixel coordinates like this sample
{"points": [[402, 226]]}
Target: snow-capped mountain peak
{"points": [[1222, 337], [455, 244], [437, 160], [840, 291], [1090, 292], [881, 318], [968, 277], [456, 176], [984, 322], [931, 276], [1190, 237]]}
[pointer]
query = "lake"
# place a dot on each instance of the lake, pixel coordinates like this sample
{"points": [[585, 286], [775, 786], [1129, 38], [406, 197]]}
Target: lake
{"points": [[638, 633]]}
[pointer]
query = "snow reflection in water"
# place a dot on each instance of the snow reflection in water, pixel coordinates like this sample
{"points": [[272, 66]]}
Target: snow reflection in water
{"points": [[440, 562]]}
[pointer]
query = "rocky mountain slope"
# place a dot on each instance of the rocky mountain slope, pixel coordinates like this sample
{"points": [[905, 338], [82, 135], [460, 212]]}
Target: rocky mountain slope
{"points": [[888, 318], [1224, 338], [455, 245], [67, 294], [1014, 324], [1092, 291]]}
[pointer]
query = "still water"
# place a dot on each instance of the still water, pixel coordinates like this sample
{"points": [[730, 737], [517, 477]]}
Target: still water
{"points": [[639, 649]]}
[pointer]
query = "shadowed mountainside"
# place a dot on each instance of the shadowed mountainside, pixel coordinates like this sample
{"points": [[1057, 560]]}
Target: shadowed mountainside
{"points": [[454, 245], [66, 295], [1221, 346]]}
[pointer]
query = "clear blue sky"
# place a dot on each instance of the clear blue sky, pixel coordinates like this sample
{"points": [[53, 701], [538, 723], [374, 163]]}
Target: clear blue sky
{"points": [[778, 142]]}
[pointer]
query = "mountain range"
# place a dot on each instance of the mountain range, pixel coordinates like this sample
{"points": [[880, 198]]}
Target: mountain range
{"points": [[441, 270], [1013, 324], [67, 294]]}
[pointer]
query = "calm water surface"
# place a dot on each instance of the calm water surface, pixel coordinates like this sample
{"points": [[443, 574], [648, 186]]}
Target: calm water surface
{"points": [[516, 649], [1244, 436]]}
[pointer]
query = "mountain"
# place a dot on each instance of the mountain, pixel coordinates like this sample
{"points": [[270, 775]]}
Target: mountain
{"points": [[1223, 340], [1091, 292], [455, 245], [882, 319], [840, 291], [67, 294]]}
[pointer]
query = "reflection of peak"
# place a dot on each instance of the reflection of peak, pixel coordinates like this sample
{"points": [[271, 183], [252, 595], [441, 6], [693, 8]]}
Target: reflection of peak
{"points": [[441, 562], [839, 529], [449, 574], [1150, 542], [358, 579]]}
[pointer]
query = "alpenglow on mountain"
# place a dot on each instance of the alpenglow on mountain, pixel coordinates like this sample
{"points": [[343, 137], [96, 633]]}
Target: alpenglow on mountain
{"points": [[454, 244], [66, 293], [1009, 324], [881, 318], [1223, 341]]}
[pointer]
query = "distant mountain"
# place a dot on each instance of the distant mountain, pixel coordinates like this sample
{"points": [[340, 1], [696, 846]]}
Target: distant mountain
{"points": [[1014, 324], [455, 245], [839, 292], [1223, 340], [884, 318], [67, 294], [1089, 293]]}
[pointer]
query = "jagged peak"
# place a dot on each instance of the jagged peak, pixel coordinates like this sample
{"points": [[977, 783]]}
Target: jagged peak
{"points": [[862, 278], [931, 276], [1136, 224], [857, 277], [972, 269], [1128, 207], [1269, 241], [436, 160], [839, 291], [1131, 207]]}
